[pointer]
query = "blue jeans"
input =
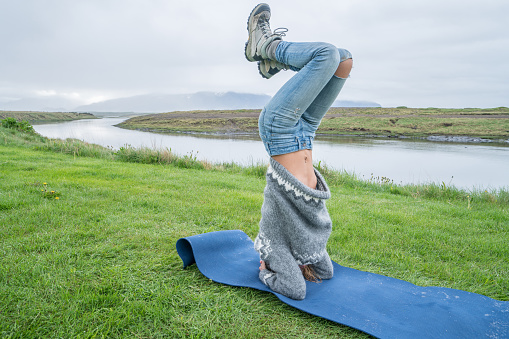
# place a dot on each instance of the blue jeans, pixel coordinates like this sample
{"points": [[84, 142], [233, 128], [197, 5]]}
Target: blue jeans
{"points": [[289, 121]]}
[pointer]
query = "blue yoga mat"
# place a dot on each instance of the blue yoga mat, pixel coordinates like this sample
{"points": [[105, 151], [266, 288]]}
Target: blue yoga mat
{"points": [[381, 306]]}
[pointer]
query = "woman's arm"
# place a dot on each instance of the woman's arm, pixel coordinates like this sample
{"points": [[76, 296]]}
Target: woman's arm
{"points": [[284, 276]]}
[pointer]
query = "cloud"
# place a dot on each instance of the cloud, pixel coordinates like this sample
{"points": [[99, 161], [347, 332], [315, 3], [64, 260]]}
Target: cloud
{"points": [[444, 53]]}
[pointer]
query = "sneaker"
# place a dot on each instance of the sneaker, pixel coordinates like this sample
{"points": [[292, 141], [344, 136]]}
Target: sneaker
{"points": [[260, 34], [267, 68]]}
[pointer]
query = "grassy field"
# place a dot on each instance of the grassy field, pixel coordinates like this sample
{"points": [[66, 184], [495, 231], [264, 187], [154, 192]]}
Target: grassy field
{"points": [[38, 117], [100, 261], [411, 122]]}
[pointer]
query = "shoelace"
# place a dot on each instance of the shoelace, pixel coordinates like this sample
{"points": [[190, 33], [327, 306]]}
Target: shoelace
{"points": [[265, 27], [281, 31]]}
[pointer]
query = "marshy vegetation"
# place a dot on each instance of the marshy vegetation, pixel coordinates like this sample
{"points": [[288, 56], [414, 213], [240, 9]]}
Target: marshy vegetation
{"points": [[490, 123], [40, 117]]}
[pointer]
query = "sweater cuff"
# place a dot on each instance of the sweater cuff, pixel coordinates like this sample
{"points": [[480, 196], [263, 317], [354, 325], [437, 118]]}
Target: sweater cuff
{"points": [[264, 275]]}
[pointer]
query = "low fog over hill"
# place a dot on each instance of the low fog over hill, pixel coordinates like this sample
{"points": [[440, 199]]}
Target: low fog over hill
{"points": [[157, 103], [198, 101]]}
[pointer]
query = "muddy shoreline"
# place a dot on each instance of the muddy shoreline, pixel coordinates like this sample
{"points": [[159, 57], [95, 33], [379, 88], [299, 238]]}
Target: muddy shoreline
{"points": [[436, 138]]}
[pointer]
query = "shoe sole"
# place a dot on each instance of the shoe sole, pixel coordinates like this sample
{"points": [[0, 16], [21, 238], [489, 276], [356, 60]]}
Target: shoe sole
{"points": [[260, 71], [250, 50], [269, 74]]}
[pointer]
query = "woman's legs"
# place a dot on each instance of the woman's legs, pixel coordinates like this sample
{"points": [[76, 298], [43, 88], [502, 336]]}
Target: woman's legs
{"points": [[288, 122], [344, 68], [319, 107], [316, 63], [300, 162], [280, 124]]}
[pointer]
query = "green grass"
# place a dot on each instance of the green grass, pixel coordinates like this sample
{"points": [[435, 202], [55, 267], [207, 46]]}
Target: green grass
{"points": [[419, 126], [100, 261]]}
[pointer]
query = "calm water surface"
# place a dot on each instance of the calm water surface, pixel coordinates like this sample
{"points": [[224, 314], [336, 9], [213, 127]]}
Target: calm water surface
{"points": [[479, 166]]}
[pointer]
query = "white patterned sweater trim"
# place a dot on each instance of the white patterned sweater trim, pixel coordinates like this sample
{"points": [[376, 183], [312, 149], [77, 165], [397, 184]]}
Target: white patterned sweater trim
{"points": [[309, 259], [288, 186], [262, 245]]}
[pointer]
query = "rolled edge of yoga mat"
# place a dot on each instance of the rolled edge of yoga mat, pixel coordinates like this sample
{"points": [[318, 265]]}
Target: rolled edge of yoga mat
{"points": [[185, 251]]}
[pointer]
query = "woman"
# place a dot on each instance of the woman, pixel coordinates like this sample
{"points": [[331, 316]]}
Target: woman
{"points": [[295, 224]]}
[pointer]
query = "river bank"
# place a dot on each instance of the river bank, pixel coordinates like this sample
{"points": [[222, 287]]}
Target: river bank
{"points": [[403, 160], [457, 125], [45, 117]]}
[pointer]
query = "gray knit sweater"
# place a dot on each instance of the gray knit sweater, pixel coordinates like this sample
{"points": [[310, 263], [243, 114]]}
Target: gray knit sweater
{"points": [[294, 230]]}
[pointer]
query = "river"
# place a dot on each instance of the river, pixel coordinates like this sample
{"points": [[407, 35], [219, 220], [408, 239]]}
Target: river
{"points": [[467, 166]]}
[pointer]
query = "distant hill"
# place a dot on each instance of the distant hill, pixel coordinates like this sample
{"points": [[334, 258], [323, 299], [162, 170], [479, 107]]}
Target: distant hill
{"points": [[158, 103], [44, 104], [351, 103]]}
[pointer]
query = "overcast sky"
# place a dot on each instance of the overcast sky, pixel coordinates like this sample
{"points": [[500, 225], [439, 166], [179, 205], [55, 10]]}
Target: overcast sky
{"points": [[433, 53]]}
